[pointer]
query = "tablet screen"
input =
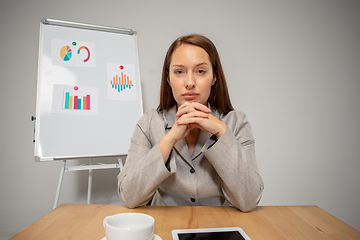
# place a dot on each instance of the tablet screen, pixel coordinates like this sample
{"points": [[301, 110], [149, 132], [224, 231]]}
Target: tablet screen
{"points": [[231, 235]]}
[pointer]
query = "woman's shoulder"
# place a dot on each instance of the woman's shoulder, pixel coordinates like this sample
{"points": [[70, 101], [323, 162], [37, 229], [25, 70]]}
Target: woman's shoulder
{"points": [[235, 120], [150, 112], [152, 125], [150, 116], [233, 115]]}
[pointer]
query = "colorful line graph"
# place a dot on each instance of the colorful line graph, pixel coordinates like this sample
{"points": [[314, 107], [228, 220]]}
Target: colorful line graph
{"points": [[74, 102], [121, 83]]}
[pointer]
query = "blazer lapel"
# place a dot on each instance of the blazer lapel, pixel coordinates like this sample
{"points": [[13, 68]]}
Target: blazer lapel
{"points": [[205, 136], [181, 146]]}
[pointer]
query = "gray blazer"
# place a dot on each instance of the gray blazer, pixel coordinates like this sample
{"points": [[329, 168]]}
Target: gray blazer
{"points": [[219, 172]]}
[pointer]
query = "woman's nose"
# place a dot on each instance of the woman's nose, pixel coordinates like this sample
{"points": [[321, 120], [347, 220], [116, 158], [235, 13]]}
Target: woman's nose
{"points": [[190, 81]]}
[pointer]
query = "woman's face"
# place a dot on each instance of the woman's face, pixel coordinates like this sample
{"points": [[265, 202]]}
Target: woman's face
{"points": [[190, 74]]}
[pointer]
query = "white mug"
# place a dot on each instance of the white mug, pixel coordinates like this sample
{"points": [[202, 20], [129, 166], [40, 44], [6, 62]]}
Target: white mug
{"points": [[129, 226]]}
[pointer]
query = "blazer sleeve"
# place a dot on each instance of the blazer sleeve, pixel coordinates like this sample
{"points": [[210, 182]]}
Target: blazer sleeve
{"points": [[233, 157], [144, 168]]}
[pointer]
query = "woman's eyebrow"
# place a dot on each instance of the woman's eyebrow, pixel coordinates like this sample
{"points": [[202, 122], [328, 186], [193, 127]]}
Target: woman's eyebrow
{"points": [[180, 65], [177, 65]]}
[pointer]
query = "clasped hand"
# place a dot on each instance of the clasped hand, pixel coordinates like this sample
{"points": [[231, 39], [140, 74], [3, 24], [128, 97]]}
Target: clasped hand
{"points": [[193, 115]]}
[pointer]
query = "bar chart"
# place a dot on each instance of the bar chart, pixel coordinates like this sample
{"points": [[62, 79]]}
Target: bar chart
{"points": [[76, 102], [121, 83]]}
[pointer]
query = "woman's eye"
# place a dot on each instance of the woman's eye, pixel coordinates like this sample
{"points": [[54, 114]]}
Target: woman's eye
{"points": [[201, 71], [178, 72]]}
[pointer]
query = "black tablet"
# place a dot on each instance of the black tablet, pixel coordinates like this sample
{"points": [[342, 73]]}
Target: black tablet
{"points": [[231, 233]]}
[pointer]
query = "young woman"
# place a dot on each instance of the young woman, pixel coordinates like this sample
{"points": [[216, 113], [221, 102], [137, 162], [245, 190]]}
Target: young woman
{"points": [[194, 149]]}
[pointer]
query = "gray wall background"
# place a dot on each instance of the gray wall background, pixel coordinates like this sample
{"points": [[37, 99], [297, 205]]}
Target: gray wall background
{"points": [[292, 66]]}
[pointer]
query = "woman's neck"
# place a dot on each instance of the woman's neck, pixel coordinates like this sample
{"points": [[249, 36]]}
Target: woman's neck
{"points": [[192, 138]]}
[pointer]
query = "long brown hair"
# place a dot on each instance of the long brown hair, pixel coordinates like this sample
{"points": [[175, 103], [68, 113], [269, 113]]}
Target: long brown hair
{"points": [[219, 95]]}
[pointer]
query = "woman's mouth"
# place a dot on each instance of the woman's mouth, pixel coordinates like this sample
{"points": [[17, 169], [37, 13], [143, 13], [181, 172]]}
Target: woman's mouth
{"points": [[190, 96]]}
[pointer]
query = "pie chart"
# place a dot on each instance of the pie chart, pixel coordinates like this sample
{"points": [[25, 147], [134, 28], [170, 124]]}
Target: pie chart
{"points": [[65, 53]]}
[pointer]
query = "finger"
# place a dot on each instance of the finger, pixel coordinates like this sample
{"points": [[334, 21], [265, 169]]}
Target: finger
{"points": [[194, 114], [198, 106], [201, 107], [210, 124], [191, 107], [191, 120]]}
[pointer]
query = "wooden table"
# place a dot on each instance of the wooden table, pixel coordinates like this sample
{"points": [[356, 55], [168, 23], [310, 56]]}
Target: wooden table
{"points": [[83, 221]]}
